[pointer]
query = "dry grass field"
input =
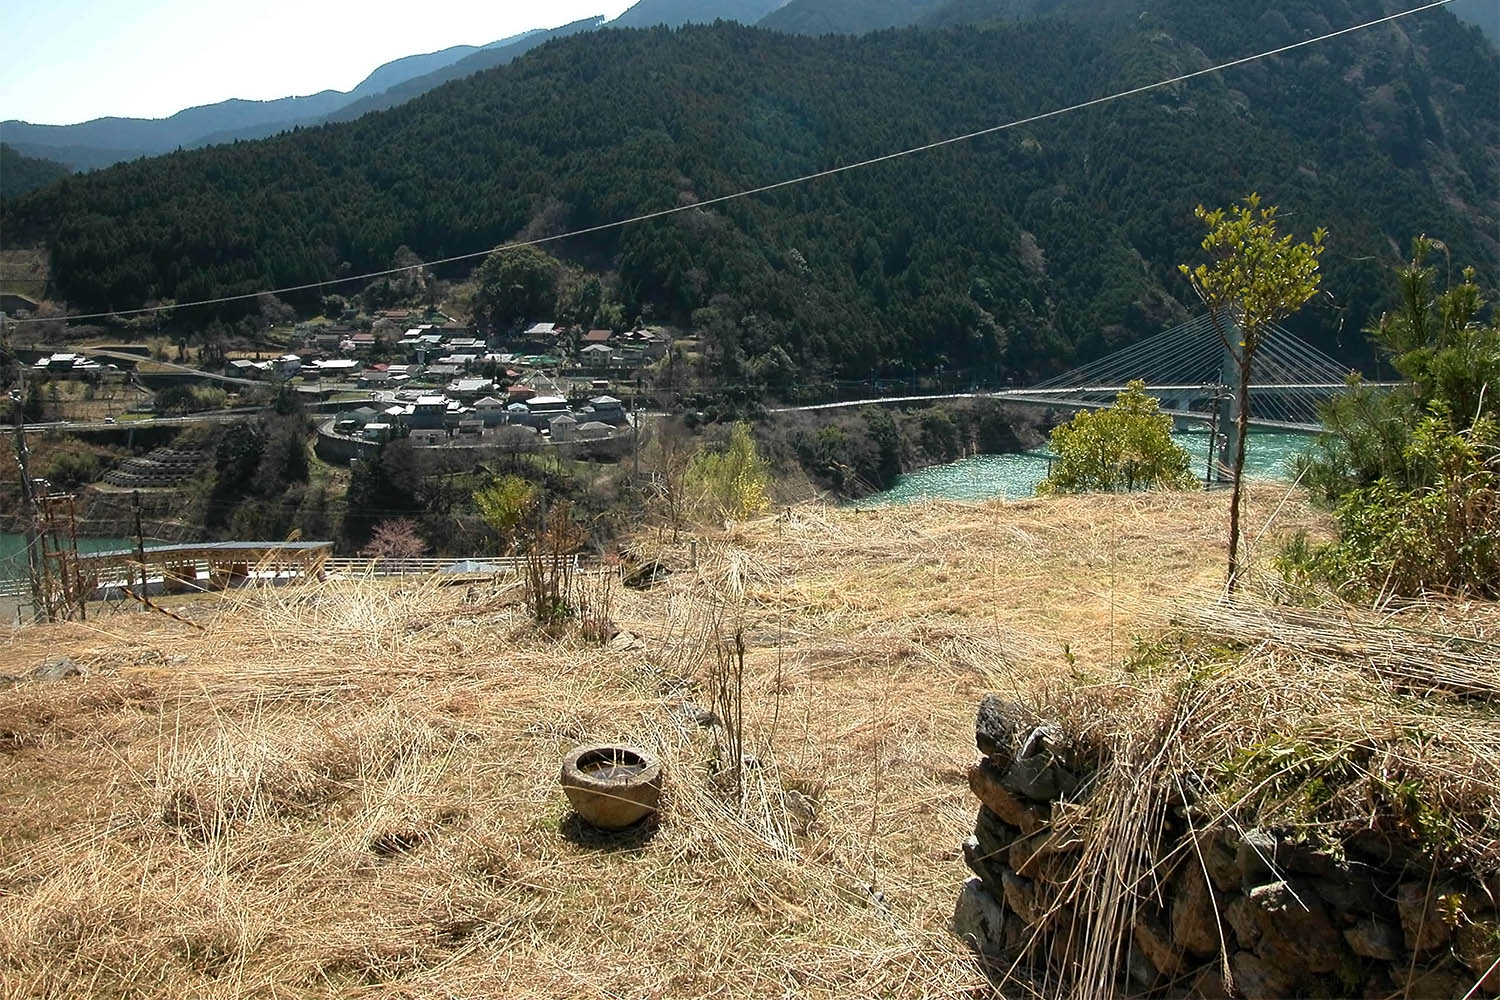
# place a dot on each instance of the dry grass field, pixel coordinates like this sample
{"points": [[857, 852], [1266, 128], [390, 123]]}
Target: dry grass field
{"points": [[24, 272], [349, 789]]}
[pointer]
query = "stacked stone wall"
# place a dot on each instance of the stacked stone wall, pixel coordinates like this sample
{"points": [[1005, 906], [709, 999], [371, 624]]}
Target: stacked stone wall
{"points": [[1230, 911]]}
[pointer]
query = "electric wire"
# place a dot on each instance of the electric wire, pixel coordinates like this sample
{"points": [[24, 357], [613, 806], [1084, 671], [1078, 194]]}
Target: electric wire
{"points": [[766, 188]]}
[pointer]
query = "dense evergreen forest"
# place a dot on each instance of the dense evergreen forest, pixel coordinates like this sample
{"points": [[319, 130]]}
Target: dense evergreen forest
{"points": [[847, 17], [19, 174], [1013, 255]]}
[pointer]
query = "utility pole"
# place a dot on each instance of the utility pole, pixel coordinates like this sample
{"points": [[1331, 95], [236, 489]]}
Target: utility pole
{"points": [[140, 541], [28, 500], [1221, 393], [635, 436]]}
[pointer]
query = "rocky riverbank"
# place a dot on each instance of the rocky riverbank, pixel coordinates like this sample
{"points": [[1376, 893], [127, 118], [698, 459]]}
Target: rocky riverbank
{"points": [[856, 453]]}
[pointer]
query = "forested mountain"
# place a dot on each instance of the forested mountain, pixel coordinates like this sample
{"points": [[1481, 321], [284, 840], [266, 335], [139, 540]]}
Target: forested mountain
{"points": [[853, 17], [1485, 13], [19, 174], [487, 58], [1100, 14], [1017, 253], [675, 13], [398, 71], [847, 17], [104, 141]]}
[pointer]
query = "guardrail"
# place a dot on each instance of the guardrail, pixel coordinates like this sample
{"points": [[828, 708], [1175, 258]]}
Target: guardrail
{"points": [[366, 567], [421, 565]]}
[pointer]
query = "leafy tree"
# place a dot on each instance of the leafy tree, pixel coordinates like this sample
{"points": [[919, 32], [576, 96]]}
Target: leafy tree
{"points": [[1414, 472], [939, 435], [733, 484], [1439, 534], [504, 504], [1443, 353], [72, 469], [33, 407], [180, 399], [1254, 278], [211, 354], [395, 539], [516, 285], [1126, 447], [380, 487]]}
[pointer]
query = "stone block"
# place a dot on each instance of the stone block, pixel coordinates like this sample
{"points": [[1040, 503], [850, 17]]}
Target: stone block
{"points": [[1380, 848], [1044, 855], [986, 781], [989, 867], [1442, 981], [56, 668], [1194, 912], [1024, 899], [1038, 778], [1257, 979], [1256, 858], [1140, 967], [1219, 859], [1209, 984], [979, 920], [1152, 938], [1377, 939], [994, 834], [1477, 946], [1000, 728], [1421, 923], [1241, 916], [1295, 927], [1350, 888]]}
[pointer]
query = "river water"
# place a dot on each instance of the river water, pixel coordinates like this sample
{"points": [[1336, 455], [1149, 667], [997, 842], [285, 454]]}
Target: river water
{"points": [[1268, 455], [13, 552]]}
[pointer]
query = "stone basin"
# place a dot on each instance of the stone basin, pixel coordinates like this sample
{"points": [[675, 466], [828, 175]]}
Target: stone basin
{"points": [[612, 787]]}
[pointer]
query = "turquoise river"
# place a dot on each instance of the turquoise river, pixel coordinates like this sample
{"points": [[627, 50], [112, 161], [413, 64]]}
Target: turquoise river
{"points": [[1268, 455]]}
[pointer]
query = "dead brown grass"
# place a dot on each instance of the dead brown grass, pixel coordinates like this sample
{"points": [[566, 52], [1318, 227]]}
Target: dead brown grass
{"points": [[24, 271], [350, 789]]}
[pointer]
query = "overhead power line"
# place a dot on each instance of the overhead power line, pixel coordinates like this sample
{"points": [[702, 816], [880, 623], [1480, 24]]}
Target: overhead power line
{"points": [[766, 188]]}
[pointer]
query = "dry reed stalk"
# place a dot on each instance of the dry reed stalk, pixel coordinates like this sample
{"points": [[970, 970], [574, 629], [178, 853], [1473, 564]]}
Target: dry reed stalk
{"points": [[376, 767]]}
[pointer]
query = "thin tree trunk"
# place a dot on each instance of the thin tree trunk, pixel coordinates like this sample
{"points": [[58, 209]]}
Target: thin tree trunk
{"points": [[1242, 431]]}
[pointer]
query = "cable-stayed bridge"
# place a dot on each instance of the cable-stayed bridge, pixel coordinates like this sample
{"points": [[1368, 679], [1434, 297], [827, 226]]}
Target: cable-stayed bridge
{"points": [[1195, 375]]}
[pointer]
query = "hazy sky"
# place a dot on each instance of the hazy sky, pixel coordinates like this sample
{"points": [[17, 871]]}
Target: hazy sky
{"points": [[68, 61]]}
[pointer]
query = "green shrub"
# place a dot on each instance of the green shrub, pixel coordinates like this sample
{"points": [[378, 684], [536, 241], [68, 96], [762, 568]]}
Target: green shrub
{"points": [[1437, 535], [733, 484], [1126, 447], [1413, 474]]}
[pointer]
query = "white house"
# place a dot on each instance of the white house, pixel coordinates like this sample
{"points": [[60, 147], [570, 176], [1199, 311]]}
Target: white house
{"points": [[596, 356]]}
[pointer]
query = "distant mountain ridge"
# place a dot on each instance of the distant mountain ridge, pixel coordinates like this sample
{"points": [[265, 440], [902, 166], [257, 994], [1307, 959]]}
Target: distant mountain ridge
{"points": [[847, 17], [486, 58], [857, 17], [1015, 255], [104, 141], [675, 13], [19, 174]]}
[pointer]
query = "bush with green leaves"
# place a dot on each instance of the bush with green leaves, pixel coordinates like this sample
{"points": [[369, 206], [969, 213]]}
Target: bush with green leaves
{"points": [[504, 504], [1444, 353], [732, 484], [1413, 473], [1126, 447]]}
